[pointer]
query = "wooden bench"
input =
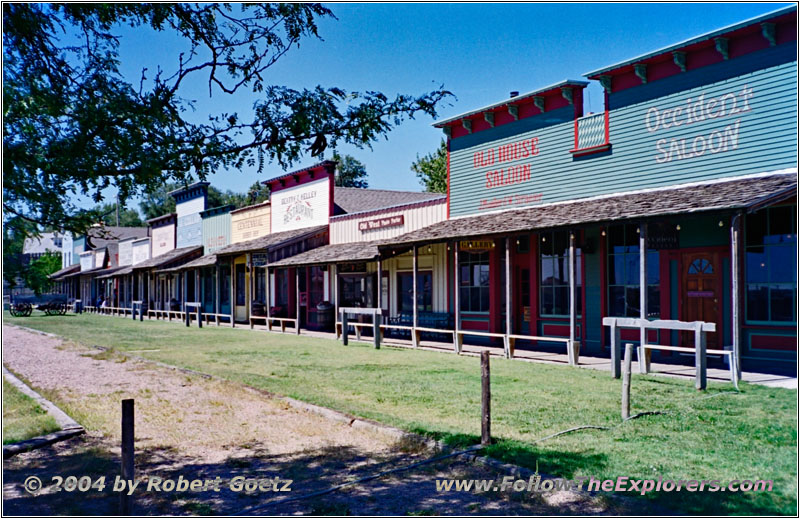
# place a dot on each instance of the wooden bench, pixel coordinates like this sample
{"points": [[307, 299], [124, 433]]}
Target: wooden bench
{"points": [[268, 321]]}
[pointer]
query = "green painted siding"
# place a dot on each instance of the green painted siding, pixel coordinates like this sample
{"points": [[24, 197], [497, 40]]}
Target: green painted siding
{"points": [[743, 124]]}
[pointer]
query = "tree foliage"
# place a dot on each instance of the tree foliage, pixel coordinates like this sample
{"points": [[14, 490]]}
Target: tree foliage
{"points": [[74, 124], [127, 217], [37, 275], [350, 172], [432, 169], [158, 202], [14, 233]]}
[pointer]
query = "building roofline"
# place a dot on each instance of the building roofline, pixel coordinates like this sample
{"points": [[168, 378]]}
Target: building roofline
{"points": [[227, 208], [691, 41], [297, 172], [509, 100], [160, 218], [249, 207], [391, 208], [189, 187]]}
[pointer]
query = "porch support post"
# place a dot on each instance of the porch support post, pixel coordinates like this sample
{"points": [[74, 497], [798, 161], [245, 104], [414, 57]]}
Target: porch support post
{"points": [[297, 299], [644, 356], [335, 274], [216, 291], [457, 301], [268, 295], [508, 348], [573, 309], [233, 294], [377, 319], [414, 336], [735, 290]]}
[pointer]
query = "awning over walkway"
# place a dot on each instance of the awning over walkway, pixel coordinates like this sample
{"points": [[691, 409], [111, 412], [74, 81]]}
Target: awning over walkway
{"points": [[340, 252], [167, 258], [55, 276], [122, 271], [268, 241], [742, 193]]}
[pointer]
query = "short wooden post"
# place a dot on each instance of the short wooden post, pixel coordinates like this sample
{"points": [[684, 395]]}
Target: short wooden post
{"points": [[187, 314], [141, 312], [456, 303], [486, 395], [344, 328], [626, 382], [700, 356], [415, 322], [133, 311], [615, 349], [573, 300], [376, 330], [297, 301], [127, 454], [199, 316]]}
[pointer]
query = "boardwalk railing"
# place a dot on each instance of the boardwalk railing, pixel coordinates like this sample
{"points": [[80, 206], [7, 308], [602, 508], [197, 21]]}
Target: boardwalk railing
{"points": [[701, 352]]}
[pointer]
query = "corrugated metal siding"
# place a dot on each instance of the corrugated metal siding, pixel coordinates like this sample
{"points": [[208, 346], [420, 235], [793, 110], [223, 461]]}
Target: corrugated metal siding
{"points": [[216, 232], [767, 140], [250, 224], [347, 231]]}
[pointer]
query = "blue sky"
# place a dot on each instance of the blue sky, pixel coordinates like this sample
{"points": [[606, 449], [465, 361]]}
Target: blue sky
{"points": [[480, 52]]}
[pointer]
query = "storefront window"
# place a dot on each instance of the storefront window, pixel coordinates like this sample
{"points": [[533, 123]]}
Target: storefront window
{"points": [[405, 291], [356, 290], [225, 285], [623, 274], [771, 265], [474, 280], [316, 288], [241, 285], [282, 287], [260, 285], [554, 270]]}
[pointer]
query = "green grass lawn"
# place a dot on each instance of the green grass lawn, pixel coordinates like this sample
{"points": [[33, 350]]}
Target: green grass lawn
{"points": [[709, 435], [23, 418]]}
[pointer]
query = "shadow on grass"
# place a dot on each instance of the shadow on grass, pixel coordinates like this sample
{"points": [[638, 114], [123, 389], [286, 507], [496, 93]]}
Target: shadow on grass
{"points": [[570, 465]]}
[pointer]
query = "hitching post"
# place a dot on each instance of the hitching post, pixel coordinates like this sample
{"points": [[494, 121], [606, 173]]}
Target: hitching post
{"points": [[486, 418], [376, 329], [700, 356], [644, 364], [127, 454], [200, 315], [615, 349], [626, 382], [344, 328]]}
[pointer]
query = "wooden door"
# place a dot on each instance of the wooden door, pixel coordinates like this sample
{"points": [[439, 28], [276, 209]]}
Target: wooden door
{"points": [[701, 293]]}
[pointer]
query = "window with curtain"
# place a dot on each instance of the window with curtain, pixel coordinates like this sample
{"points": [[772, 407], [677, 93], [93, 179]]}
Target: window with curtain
{"points": [[474, 281], [623, 274], [554, 274], [771, 265]]}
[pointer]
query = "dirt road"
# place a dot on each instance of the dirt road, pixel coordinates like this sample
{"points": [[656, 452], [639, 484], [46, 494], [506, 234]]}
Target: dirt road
{"points": [[199, 428]]}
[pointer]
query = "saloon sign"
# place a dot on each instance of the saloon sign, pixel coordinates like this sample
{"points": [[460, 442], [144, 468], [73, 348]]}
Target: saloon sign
{"points": [[727, 107], [301, 206]]}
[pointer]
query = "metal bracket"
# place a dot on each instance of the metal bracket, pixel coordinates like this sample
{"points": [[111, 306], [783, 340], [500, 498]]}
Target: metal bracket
{"points": [[489, 118], [640, 69], [605, 82], [680, 59], [566, 93], [768, 31], [467, 124], [721, 45], [538, 102], [513, 110]]}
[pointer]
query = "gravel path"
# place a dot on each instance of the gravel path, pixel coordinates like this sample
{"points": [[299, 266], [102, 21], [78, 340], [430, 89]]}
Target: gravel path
{"points": [[190, 426]]}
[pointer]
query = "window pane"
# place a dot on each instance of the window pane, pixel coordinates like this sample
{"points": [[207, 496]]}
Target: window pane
{"points": [[546, 244], [632, 302], [465, 279], [756, 228], [484, 296], [782, 264], [475, 298], [782, 303], [561, 267], [653, 268], [631, 238], [464, 299], [561, 300], [616, 239], [653, 301], [484, 278], [616, 301], [757, 302], [631, 269], [547, 271], [616, 274], [781, 221], [546, 301], [561, 243], [756, 265]]}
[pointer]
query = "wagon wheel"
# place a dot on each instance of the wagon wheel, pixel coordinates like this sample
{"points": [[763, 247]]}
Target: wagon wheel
{"points": [[13, 310], [62, 309], [28, 309]]}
